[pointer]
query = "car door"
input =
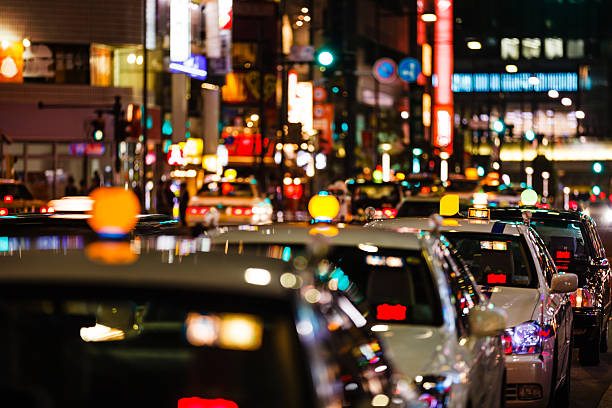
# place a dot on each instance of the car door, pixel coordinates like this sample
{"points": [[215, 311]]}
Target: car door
{"points": [[557, 303], [601, 265], [483, 355]]}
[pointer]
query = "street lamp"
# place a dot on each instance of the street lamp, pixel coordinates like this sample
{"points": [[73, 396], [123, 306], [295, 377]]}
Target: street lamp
{"points": [[511, 68], [386, 162], [566, 102], [444, 166], [553, 93], [545, 177]]}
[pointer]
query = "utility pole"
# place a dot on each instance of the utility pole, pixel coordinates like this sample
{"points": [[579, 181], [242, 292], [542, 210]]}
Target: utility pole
{"points": [[143, 165]]}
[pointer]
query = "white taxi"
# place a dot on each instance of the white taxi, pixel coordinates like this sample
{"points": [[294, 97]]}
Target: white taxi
{"points": [[515, 270], [223, 202], [441, 332]]}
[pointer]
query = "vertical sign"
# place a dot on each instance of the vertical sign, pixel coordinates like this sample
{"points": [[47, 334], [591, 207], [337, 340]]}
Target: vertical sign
{"points": [[180, 23], [151, 28], [11, 61], [292, 82], [443, 68]]}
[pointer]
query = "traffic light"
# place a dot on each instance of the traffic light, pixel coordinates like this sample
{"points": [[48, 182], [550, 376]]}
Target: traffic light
{"points": [[499, 126], [325, 57], [98, 128], [530, 135], [597, 167]]}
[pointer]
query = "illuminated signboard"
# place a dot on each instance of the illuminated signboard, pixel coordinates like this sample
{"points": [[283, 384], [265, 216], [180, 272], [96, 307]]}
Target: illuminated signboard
{"points": [[443, 135], [194, 66], [489, 82], [443, 68], [180, 35]]}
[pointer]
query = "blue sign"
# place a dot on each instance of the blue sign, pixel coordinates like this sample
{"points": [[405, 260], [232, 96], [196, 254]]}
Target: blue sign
{"points": [[385, 70], [194, 66], [409, 69], [485, 82]]}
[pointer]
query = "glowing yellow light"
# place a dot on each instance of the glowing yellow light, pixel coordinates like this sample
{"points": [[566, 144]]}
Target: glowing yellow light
{"points": [[449, 205], [240, 332], [114, 211], [323, 207], [111, 253], [210, 162], [131, 58], [426, 59], [201, 330], [325, 230], [529, 197], [230, 174], [101, 333], [26, 42], [254, 117], [429, 17], [287, 181]]}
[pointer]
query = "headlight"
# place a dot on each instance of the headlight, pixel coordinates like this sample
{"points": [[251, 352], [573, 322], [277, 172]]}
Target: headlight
{"points": [[526, 338], [581, 298]]}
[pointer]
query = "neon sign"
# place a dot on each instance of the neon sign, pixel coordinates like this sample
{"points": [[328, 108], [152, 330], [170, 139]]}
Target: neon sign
{"points": [[491, 82], [443, 68]]}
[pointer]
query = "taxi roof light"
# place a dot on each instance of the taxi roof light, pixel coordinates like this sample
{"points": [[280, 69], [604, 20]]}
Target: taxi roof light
{"points": [[323, 207], [479, 213]]}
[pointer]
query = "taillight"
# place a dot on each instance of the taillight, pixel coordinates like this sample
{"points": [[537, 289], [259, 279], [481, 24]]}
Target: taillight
{"points": [[197, 210], [3, 211], [239, 211], [581, 298], [389, 212], [46, 210], [8, 198]]}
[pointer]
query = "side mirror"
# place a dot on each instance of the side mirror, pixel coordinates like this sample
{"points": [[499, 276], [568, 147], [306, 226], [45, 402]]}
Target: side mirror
{"points": [[487, 322], [564, 283]]}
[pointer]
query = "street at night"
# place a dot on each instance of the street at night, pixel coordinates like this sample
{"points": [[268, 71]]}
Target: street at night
{"points": [[306, 203]]}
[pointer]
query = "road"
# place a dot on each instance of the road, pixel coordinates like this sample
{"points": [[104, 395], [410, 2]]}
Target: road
{"points": [[589, 384]]}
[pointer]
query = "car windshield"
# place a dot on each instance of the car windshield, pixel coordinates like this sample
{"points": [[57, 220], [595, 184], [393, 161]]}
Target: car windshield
{"points": [[226, 189], [462, 186], [78, 346], [495, 259], [375, 194], [17, 191], [410, 208], [395, 284], [563, 239]]}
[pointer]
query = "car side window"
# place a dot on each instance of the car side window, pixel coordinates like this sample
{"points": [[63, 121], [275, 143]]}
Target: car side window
{"points": [[465, 295], [594, 237], [543, 256]]}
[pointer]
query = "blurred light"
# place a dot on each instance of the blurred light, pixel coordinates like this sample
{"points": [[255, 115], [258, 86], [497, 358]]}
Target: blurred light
{"points": [[533, 80], [325, 58], [297, 181], [254, 117], [480, 171], [597, 167], [474, 45], [312, 295], [288, 280], [201, 330], [304, 328], [139, 60], [506, 179], [416, 165], [530, 135], [443, 171], [197, 402], [377, 175], [240, 332], [380, 328], [566, 190], [380, 400], [596, 190], [385, 146], [417, 152], [304, 10], [545, 175], [257, 276], [287, 181], [405, 114], [566, 102], [380, 369], [352, 312], [278, 157], [114, 211], [553, 93], [320, 161], [529, 170], [368, 248], [307, 19], [444, 155], [5, 44], [498, 126], [480, 199], [386, 164], [529, 197], [495, 166], [580, 114], [101, 333], [429, 17], [323, 207], [131, 58], [511, 68], [299, 23], [26, 43]]}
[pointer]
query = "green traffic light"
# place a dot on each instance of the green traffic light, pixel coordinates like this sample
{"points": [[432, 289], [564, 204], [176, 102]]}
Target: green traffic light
{"points": [[596, 190], [325, 58], [499, 126], [597, 167], [98, 135], [530, 135]]}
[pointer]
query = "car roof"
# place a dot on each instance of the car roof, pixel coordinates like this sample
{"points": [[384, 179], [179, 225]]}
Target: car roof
{"points": [[345, 235], [452, 225], [537, 214], [176, 265]]}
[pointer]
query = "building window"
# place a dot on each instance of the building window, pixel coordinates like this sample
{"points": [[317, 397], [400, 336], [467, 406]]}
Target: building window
{"points": [[553, 48], [510, 48], [531, 48], [575, 48]]}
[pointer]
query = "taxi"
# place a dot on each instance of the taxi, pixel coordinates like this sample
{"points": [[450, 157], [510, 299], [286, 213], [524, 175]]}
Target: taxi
{"points": [[572, 239], [514, 268], [147, 322], [15, 198], [442, 334], [228, 201], [382, 198]]}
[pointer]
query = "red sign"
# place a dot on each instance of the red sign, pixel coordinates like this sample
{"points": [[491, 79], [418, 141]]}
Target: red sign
{"points": [[246, 144], [319, 94], [87, 149], [496, 278], [175, 155], [323, 119], [443, 127], [391, 312]]}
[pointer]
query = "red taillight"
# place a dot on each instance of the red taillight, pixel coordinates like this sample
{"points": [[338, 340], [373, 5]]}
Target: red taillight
{"points": [[8, 198], [196, 402], [507, 342], [389, 212], [46, 210], [242, 211], [3, 211], [197, 210]]}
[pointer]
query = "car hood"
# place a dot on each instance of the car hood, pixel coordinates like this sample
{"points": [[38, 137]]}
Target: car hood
{"points": [[418, 350], [518, 303]]}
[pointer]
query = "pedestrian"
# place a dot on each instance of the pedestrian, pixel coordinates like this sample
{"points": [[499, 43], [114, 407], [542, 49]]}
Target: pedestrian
{"points": [[165, 198], [71, 189], [95, 181], [83, 187], [183, 200]]}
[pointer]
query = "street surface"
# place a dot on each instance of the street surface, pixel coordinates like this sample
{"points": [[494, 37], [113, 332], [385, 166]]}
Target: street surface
{"points": [[589, 384]]}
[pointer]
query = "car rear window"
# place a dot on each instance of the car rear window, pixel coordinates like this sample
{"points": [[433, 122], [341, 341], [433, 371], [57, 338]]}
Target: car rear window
{"points": [[96, 348], [226, 189], [564, 239], [495, 259], [18, 191]]}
